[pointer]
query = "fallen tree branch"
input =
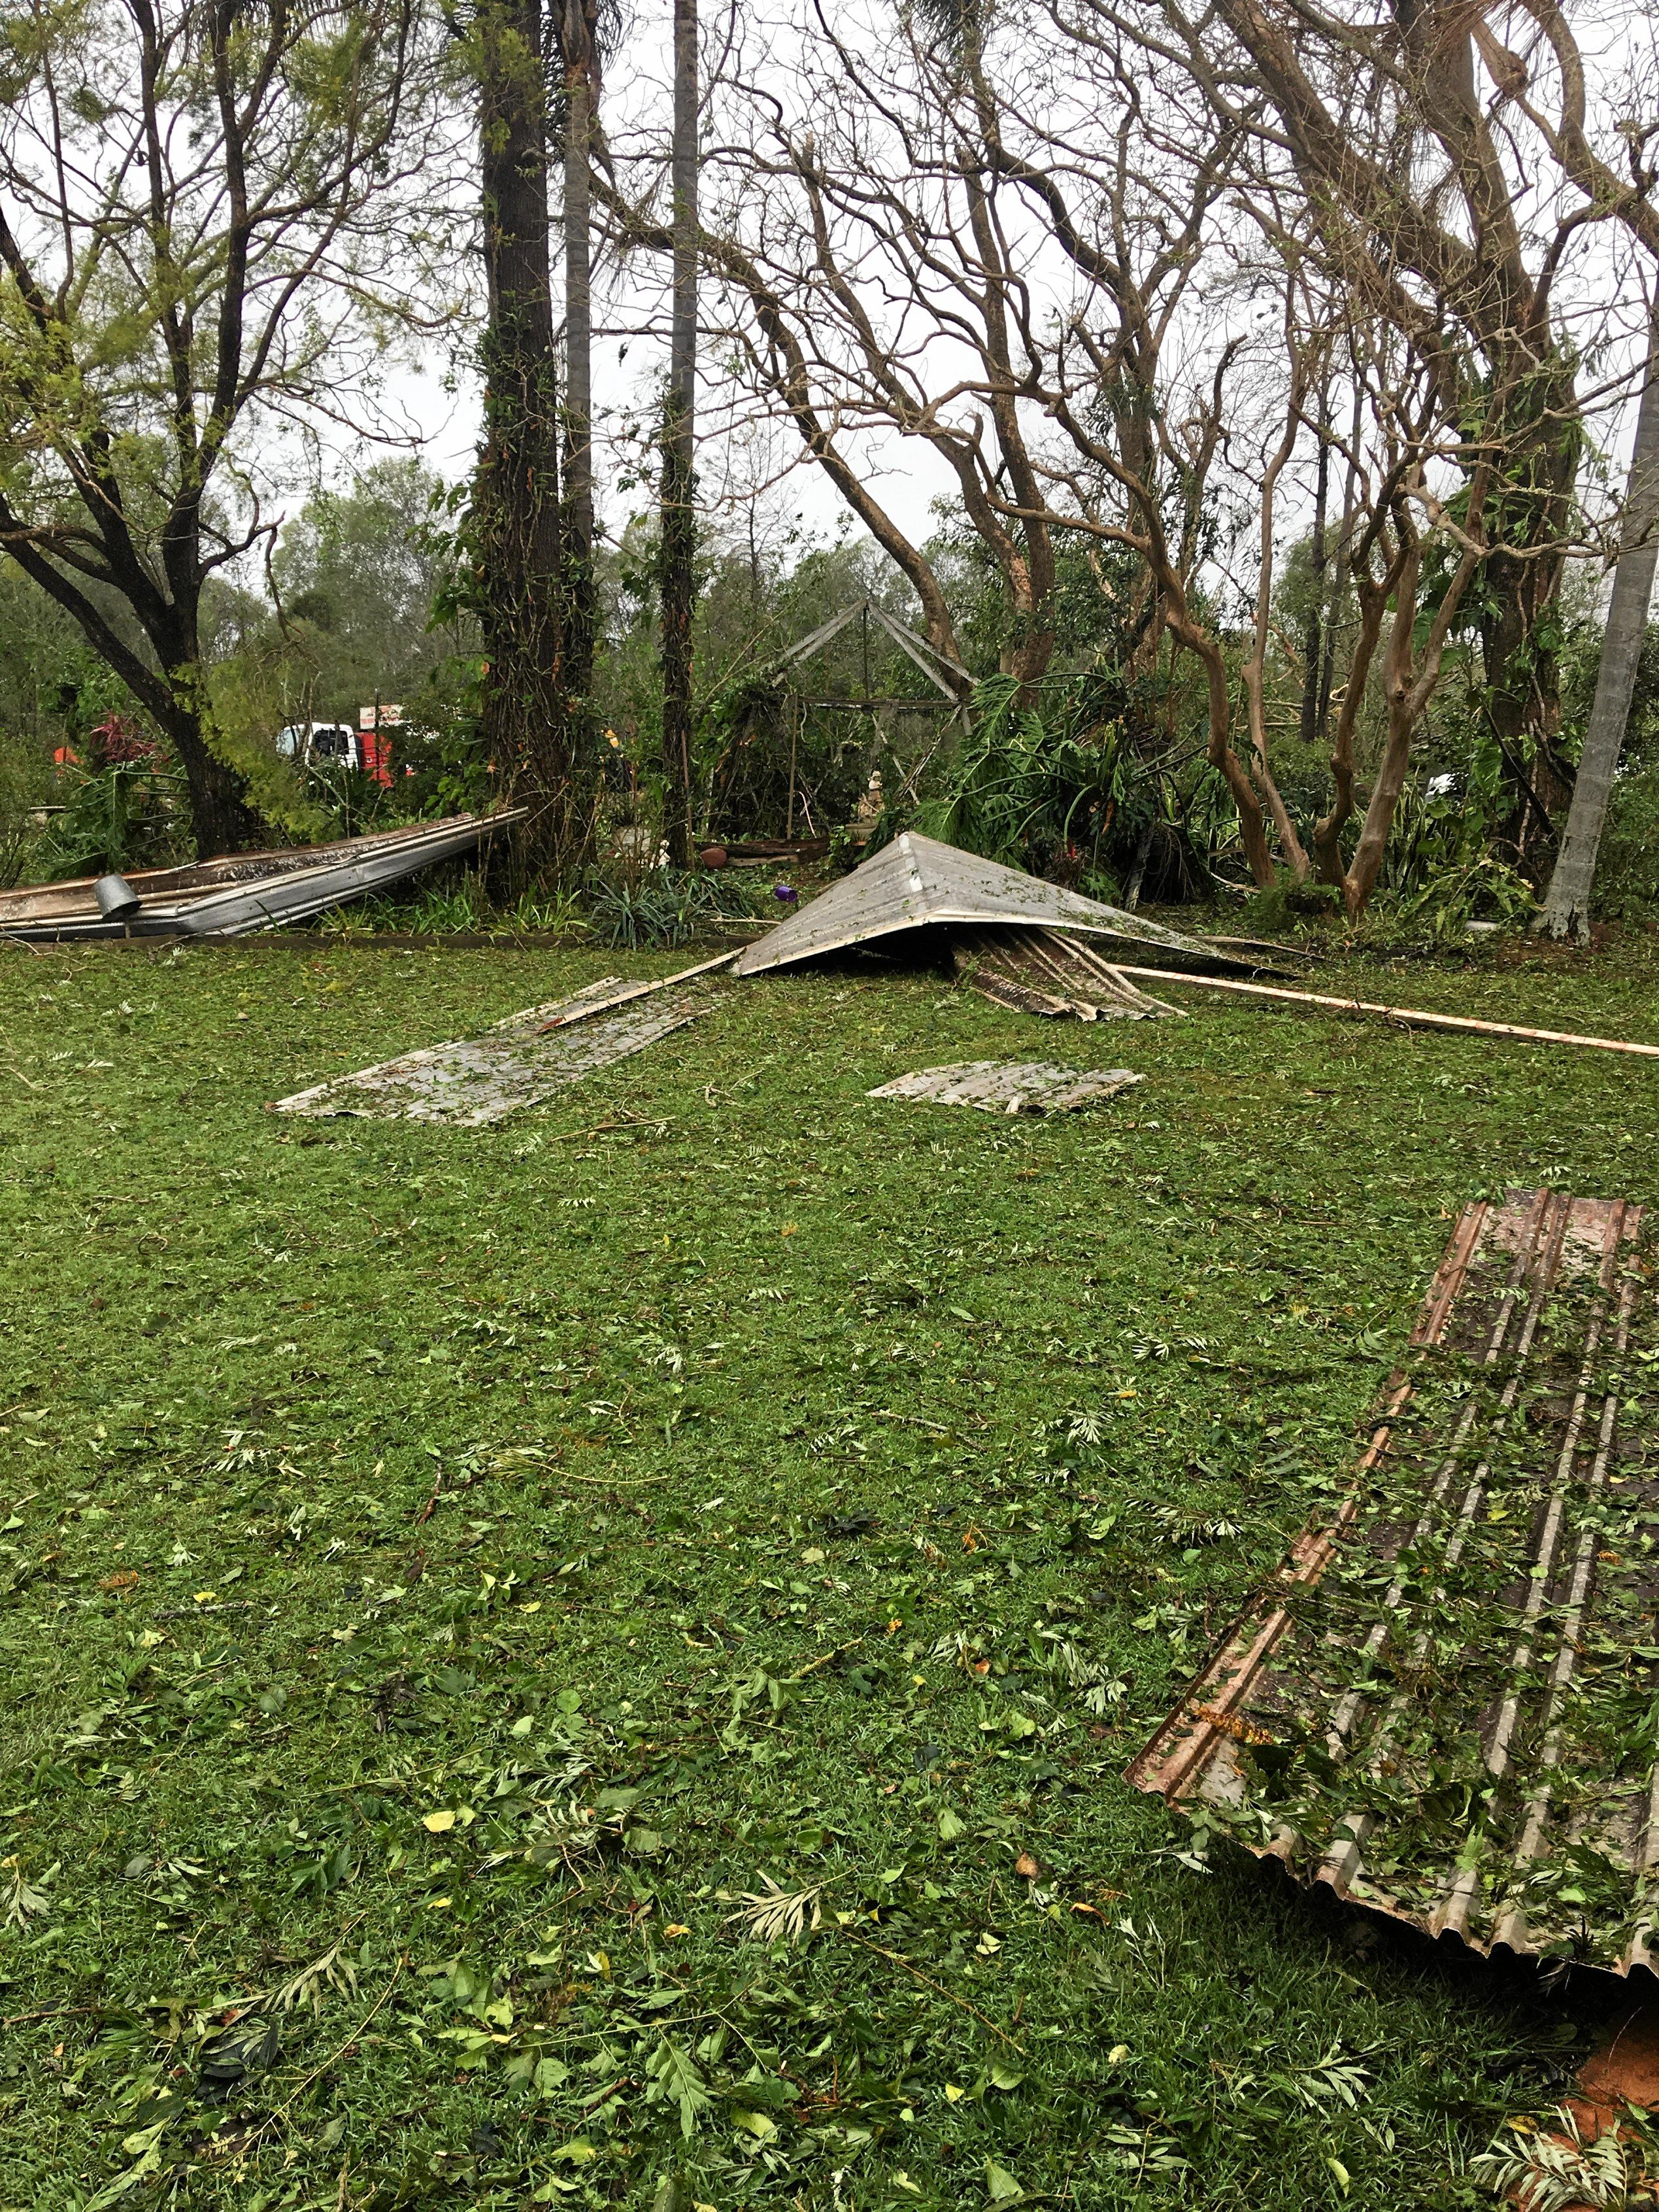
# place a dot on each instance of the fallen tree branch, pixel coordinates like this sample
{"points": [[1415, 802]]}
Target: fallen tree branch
{"points": [[898, 1958]]}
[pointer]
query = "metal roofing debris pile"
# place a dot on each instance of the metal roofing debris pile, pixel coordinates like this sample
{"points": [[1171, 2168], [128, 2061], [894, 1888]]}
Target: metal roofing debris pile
{"points": [[518, 1063], [1047, 972], [1446, 1705], [1010, 1086], [916, 883], [241, 892]]}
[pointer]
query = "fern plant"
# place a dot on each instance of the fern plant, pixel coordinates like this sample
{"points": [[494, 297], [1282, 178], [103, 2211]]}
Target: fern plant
{"points": [[1559, 2169]]}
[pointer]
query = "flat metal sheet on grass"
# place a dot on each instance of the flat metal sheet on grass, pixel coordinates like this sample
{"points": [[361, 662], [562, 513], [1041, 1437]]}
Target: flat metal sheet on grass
{"points": [[1010, 1086], [473, 1080], [1445, 1706]]}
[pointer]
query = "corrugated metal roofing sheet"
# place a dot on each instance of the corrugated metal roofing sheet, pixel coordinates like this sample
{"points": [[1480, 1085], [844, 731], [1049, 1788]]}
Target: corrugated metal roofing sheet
{"points": [[1446, 1704], [241, 893], [1010, 1086], [519, 1062], [475, 1080], [916, 881]]}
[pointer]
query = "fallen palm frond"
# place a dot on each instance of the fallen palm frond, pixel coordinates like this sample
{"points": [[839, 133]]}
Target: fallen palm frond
{"points": [[776, 1915], [1560, 2170], [330, 1971]]}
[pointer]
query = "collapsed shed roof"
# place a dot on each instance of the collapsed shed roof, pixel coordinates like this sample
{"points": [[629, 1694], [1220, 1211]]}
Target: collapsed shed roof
{"points": [[917, 882]]}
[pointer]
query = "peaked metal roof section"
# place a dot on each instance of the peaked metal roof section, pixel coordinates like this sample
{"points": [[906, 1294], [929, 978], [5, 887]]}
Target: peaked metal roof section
{"points": [[1443, 1706], [917, 882]]}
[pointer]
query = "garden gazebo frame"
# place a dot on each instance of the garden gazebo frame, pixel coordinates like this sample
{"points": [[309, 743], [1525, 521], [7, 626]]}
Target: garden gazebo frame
{"points": [[948, 678]]}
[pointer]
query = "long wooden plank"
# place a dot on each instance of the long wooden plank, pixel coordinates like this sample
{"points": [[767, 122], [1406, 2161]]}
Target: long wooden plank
{"points": [[1411, 1017], [629, 991]]}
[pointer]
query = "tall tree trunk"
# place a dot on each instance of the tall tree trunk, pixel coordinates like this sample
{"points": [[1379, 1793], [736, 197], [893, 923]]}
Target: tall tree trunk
{"points": [[581, 591], [1566, 907], [1337, 594], [222, 820], [1313, 641], [1536, 420], [679, 548], [1253, 672], [516, 510], [221, 816]]}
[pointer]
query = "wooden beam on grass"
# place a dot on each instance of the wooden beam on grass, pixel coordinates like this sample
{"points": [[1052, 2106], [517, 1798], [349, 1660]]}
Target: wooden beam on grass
{"points": [[1409, 1018]]}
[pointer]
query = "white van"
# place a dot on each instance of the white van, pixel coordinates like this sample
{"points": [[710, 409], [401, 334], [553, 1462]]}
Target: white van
{"points": [[320, 741]]}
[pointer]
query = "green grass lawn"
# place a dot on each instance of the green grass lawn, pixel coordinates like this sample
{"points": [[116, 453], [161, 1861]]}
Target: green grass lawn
{"points": [[451, 1575]]}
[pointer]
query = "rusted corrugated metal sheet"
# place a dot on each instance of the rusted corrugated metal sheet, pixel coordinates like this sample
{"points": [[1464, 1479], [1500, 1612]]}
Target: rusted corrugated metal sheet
{"points": [[1446, 1704]]}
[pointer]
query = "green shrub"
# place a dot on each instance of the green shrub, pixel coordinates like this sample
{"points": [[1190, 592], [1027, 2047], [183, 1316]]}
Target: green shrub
{"points": [[113, 817], [1628, 880], [1437, 912], [665, 906], [1280, 907]]}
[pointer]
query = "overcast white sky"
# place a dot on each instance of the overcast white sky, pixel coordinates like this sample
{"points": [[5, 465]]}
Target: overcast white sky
{"points": [[439, 408]]}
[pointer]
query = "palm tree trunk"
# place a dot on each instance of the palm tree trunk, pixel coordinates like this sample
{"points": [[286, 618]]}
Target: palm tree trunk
{"points": [[679, 550], [1566, 911]]}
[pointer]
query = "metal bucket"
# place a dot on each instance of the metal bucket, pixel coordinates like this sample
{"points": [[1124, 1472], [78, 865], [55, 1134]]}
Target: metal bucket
{"points": [[116, 899]]}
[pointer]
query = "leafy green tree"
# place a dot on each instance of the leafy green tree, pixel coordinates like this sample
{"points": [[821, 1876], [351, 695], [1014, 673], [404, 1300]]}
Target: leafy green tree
{"points": [[357, 573], [212, 218]]}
